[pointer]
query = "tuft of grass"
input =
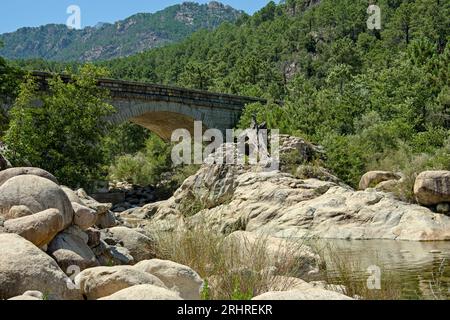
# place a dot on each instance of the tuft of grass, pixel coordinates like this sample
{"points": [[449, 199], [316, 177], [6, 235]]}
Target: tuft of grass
{"points": [[289, 161], [437, 287], [191, 206], [45, 296], [206, 291]]}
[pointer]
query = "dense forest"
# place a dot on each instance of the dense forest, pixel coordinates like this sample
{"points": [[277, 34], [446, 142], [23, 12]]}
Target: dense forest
{"points": [[375, 99]]}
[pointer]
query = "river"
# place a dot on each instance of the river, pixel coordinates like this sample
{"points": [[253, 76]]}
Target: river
{"points": [[417, 266]]}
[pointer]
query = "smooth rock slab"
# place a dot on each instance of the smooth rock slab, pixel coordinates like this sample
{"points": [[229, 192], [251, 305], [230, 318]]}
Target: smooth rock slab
{"points": [[100, 282], [143, 292], [280, 205], [24, 267]]}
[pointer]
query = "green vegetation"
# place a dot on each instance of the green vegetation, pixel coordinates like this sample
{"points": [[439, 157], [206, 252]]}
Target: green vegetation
{"points": [[135, 34], [146, 166], [123, 139], [144, 159], [9, 84], [60, 131]]}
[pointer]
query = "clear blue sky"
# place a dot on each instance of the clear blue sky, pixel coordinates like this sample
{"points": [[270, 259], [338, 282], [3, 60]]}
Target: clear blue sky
{"points": [[15, 14]]}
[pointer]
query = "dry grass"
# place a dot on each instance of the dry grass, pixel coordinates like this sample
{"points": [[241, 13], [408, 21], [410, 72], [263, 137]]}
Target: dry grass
{"points": [[232, 271], [437, 286]]}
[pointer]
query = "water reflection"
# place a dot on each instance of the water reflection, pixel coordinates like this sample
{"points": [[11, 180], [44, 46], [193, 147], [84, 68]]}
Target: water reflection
{"points": [[418, 264]]}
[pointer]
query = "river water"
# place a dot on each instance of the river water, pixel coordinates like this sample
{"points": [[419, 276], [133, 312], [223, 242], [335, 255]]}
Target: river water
{"points": [[422, 268]]}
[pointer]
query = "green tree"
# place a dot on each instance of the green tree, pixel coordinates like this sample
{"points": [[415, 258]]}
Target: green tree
{"points": [[61, 130], [196, 75], [9, 84], [126, 138]]}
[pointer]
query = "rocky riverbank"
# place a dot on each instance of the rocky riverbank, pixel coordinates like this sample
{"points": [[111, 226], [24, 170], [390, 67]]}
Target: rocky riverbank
{"points": [[57, 243]]}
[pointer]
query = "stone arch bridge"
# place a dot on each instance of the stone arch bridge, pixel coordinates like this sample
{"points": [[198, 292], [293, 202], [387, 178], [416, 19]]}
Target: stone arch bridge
{"points": [[162, 109]]}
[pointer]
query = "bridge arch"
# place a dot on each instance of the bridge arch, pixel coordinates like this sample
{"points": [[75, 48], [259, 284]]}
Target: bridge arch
{"points": [[163, 118]]}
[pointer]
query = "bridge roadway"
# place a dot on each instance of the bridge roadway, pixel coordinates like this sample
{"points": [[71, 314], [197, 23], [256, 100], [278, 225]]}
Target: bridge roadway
{"points": [[162, 109]]}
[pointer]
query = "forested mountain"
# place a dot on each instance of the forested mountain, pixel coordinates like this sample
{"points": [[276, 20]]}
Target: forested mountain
{"points": [[105, 41]]}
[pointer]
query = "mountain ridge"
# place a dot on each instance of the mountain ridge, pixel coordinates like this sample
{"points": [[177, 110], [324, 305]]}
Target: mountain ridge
{"points": [[137, 33]]}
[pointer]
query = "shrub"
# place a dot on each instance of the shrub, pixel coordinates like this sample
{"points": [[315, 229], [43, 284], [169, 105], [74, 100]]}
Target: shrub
{"points": [[151, 166], [60, 130], [146, 166]]}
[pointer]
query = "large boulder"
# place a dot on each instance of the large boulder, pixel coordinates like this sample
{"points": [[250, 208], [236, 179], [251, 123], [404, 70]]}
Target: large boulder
{"points": [[100, 282], [37, 193], [432, 187], [373, 178], [140, 246], [69, 248], [84, 217], [277, 251], [5, 175], [143, 292], [39, 228], [24, 267], [175, 276]]}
